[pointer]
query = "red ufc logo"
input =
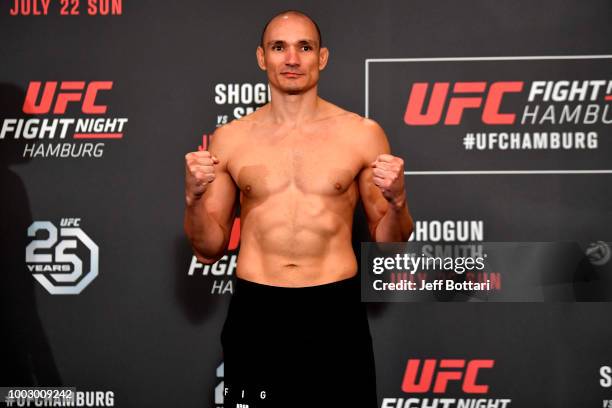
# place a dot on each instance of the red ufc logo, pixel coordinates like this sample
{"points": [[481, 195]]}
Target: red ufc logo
{"points": [[70, 91], [490, 113], [447, 370]]}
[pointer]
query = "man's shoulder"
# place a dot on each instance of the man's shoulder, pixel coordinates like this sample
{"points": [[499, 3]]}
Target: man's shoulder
{"points": [[355, 121], [362, 130], [364, 134], [231, 132], [368, 127], [242, 126]]}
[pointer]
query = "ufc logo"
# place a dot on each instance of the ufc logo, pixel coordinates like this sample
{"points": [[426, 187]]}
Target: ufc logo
{"points": [[457, 104], [70, 222], [447, 370], [69, 91]]}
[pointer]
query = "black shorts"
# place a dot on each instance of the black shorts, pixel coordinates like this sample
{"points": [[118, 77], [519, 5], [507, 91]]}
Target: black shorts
{"points": [[298, 347]]}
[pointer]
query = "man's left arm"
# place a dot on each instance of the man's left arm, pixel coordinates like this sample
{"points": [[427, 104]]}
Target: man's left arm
{"points": [[381, 186]]}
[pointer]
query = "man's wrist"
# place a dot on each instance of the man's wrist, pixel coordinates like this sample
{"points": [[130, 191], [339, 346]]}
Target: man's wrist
{"points": [[398, 203], [190, 201]]}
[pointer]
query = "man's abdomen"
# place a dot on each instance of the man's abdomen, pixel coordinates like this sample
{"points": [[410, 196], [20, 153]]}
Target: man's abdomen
{"points": [[296, 244]]}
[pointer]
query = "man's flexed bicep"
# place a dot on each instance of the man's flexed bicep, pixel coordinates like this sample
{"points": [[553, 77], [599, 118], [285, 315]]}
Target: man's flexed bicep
{"points": [[381, 186], [210, 194]]}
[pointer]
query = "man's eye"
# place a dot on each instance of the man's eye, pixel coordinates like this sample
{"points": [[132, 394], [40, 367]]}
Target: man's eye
{"points": [[277, 47], [306, 47]]}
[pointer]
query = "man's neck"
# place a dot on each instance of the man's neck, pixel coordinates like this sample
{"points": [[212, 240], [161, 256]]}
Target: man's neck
{"points": [[294, 109]]}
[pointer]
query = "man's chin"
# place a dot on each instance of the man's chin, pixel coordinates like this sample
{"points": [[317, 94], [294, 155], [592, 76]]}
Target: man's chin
{"points": [[293, 89]]}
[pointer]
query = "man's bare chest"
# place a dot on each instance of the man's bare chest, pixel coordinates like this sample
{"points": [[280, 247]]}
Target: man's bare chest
{"points": [[319, 165]]}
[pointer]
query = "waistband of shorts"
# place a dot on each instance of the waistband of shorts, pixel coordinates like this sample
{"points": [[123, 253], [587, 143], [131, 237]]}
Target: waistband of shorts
{"points": [[339, 289]]}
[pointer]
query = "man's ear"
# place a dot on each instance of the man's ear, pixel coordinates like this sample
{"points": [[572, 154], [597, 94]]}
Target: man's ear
{"points": [[261, 59], [323, 57]]}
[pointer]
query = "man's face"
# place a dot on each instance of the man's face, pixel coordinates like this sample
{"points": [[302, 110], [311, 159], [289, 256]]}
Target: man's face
{"points": [[291, 54]]}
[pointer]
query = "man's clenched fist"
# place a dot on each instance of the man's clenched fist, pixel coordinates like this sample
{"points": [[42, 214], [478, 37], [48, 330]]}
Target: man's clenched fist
{"points": [[388, 172], [199, 173]]}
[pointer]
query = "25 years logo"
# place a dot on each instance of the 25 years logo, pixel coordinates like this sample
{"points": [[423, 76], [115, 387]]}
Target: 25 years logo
{"points": [[58, 271]]}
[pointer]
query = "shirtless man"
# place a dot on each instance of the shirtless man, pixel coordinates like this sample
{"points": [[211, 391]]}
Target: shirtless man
{"points": [[301, 164]]}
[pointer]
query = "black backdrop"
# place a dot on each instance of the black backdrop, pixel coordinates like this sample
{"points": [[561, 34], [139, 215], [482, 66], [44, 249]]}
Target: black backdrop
{"points": [[147, 326]]}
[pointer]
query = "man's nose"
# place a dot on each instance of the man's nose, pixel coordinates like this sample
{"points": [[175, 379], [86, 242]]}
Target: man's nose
{"points": [[292, 57]]}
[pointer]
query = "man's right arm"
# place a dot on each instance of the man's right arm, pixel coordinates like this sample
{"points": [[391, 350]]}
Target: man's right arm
{"points": [[210, 199]]}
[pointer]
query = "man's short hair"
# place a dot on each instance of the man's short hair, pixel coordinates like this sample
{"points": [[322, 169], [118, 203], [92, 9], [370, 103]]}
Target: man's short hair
{"points": [[297, 12]]}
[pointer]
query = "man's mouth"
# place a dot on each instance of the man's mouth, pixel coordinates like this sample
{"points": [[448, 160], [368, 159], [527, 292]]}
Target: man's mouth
{"points": [[291, 74]]}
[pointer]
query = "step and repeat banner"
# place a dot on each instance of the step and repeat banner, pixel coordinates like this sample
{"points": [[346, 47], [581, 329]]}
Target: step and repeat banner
{"points": [[502, 112]]}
